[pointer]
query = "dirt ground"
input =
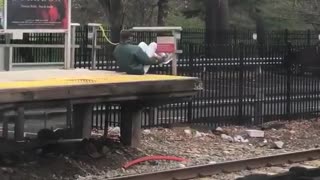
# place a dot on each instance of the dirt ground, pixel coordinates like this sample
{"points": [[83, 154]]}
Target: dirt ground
{"points": [[102, 158]]}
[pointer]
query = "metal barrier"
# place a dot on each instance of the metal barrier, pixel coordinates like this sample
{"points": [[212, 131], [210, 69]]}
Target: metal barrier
{"points": [[69, 61]]}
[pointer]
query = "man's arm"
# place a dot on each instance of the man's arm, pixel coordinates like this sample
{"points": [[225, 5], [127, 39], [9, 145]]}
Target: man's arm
{"points": [[143, 58]]}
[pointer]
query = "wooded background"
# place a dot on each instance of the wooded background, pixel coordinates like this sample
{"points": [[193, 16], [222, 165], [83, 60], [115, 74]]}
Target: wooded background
{"points": [[213, 15]]}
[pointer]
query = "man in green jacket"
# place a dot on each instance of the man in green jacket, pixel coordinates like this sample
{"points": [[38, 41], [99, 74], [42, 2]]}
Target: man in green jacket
{"points": [[132, 59]]}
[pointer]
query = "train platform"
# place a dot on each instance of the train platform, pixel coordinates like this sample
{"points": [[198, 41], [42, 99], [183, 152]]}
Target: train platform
{"points": [[81, 88]]}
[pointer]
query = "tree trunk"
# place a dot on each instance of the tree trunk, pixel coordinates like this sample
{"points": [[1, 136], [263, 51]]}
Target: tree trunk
{"points": [[260, 29], [162, 11], [210, 22], [114, 13], [217, 20], [217, 24], [115, 34], [222, 20]]}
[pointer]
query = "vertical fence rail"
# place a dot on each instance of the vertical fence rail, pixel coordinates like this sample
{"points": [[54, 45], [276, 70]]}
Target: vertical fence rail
{"points": [[288, 90], [241, 56]]}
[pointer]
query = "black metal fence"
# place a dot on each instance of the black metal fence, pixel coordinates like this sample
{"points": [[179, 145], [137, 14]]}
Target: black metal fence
{"points": [[245, 82], [240, 88]]}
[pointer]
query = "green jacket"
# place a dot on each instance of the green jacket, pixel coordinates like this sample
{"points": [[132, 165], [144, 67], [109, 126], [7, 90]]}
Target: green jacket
{"points": [[131, 59]]}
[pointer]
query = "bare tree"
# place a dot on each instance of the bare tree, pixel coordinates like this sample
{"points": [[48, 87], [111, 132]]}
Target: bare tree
{"points": [[114, 14], [140, 12], [163, 8], [309, 11], [84, 11], [217, 20]]}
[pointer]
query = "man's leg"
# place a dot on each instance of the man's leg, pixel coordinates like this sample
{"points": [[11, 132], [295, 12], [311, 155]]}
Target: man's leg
{"points": [[145, 48], [152, 48]]}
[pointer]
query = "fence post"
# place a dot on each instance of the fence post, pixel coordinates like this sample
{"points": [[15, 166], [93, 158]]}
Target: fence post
{"points": [[259, 95], [190, 72], [288, 110], [286, 35], [94, 47], [50, 49], [235, 35], [74, 27], [84, 56], [8, 54], [19, 124], [235, 32], [106, 119], [241, 82], [309, 37], [69, 108]]}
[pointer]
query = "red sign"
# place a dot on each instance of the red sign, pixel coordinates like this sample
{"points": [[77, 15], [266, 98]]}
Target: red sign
{"points": [[165, 48], [166, 44]]}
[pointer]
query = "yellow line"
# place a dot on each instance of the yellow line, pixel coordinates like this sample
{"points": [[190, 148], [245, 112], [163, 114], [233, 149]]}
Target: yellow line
{"points": [[85, 80]]}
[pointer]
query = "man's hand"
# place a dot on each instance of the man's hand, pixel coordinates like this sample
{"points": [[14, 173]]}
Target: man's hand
{"points": [[157, 59], [160, 59]]}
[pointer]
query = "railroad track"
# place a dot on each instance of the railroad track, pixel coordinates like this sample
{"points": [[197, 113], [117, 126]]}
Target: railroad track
{"points": [[227, 167]]}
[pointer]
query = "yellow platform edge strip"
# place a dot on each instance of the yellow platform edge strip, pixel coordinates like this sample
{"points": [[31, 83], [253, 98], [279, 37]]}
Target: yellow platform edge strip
{"points": [[85, 80]]}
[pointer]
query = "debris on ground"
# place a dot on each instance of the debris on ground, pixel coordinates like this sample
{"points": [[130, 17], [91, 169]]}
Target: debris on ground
{"points": [[103, 156], [278, 144], [198, 134], [240, 139], [218, 131], [146, 131], [181, 166], [188, 132], [255, 133], [227, 138], [273, 125]]}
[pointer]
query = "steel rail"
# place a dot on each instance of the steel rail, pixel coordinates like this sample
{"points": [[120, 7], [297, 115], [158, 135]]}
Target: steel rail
{"points": [[227, 167]]}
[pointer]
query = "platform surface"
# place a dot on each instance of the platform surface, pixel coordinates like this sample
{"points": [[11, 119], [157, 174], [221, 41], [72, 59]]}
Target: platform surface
{"points": [[49, 78], [42, 85]]}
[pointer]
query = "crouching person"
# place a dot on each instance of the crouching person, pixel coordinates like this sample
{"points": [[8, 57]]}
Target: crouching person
{"points": [[135, 59]]}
